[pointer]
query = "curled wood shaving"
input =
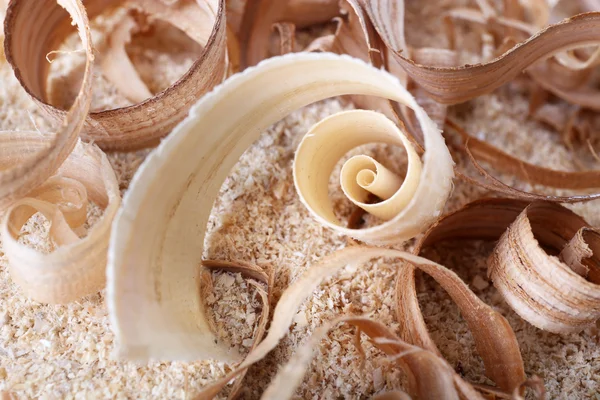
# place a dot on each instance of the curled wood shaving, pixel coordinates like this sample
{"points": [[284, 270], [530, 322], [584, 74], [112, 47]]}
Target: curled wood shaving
{"points": [[21, 169], [361, 39], [577, 252], [77, 267], [564, 74], [379, 13], [194, 189], [534, 174], [117, 66], [498, 186], [355, 35], [456, 85], [575, 63], [527, 171], [136, 126], [321, 149], [168, 321], [477, 220], [54, 175], [539, 287], [532, 281]]}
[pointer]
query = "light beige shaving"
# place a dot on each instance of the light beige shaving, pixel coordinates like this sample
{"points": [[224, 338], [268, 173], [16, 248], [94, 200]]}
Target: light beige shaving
{"points": [[153, 298], [77, 266]]}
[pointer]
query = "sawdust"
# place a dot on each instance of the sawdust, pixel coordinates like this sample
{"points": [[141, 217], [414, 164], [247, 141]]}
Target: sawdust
{"points": [[65, 351]]}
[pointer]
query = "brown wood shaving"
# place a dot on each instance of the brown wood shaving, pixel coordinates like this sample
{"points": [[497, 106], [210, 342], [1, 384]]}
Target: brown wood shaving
{"points": [[287, 36], [540, 288], [117, 66], [254, 272], [483, 151], [128, 128], [455, 85]]}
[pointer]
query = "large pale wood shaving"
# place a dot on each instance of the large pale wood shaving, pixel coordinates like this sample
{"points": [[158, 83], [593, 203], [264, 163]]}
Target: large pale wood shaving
{"points": [[321, 149], [154, 226], [136, 126]]}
